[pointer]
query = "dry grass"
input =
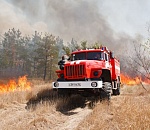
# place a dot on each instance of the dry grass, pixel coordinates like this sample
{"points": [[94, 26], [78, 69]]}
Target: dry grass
{"points": [[41, 109], [29, 110], [131, 110]]}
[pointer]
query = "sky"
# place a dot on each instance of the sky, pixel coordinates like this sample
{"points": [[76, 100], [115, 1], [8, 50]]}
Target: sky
{"points": [[129, 16], [110, 22]]}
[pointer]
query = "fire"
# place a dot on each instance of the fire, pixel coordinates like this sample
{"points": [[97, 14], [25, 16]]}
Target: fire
{"points": [[130, 81], [147, 81], [133, 81], [20, 85]]}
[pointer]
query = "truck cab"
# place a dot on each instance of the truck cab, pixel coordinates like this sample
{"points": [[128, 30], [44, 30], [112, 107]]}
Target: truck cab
{"points": [[93, 71]]}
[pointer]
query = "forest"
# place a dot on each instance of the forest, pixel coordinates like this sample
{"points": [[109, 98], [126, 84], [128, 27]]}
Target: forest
{"points": [[37, 56]]}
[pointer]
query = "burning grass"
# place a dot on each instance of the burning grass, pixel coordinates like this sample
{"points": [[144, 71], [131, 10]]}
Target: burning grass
{"points": [[125, 79], [15, 85]]}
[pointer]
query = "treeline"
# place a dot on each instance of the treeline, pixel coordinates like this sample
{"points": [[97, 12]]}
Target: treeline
{"points": [[36, 56]]}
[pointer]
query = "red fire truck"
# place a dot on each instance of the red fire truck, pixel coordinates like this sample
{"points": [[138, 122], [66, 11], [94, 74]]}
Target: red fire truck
{"points": [[89, 72]]}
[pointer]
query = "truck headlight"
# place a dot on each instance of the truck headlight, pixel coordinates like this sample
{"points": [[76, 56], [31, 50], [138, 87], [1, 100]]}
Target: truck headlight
{"points": [[94, 84], [56, 84], [62, 76], [95, 73]]}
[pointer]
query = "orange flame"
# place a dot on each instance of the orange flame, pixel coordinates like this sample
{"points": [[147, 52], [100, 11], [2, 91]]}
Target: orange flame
{"points": [[12, 85], [129, 81], [125, 79], [147, 81]]}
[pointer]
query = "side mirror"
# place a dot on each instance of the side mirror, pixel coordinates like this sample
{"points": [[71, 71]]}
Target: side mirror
{"points": [[111, 55], [69, 58]]}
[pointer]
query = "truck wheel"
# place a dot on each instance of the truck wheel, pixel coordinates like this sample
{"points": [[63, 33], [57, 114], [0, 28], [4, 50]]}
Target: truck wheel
{"points": [[105, 93], [107, 87]]}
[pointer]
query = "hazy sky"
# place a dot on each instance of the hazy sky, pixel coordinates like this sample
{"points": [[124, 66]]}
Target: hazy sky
{"points": [[93, 20], [130, 16]]}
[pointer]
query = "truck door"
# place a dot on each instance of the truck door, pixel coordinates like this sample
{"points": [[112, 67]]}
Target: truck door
{"points": [[107, 64]]}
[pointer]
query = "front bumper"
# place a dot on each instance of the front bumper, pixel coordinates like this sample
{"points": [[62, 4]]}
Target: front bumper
{"points": [[77, 84]]}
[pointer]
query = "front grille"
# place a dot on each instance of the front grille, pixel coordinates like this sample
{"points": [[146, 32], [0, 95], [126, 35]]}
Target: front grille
{"points": [[76, 71]]}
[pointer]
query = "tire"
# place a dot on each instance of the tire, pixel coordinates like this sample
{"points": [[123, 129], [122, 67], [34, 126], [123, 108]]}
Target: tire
{"points": [[107, 87], [105, 93]]}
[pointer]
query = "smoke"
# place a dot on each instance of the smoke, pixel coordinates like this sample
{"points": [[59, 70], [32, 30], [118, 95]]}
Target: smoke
{"points": [[12, 16], [78, 19]]}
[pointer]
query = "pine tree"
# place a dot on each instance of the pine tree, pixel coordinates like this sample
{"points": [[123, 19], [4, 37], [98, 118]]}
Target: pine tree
{"points": [[46, 56]]}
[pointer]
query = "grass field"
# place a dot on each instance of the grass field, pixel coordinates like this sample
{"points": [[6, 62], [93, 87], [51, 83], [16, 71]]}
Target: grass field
{"points": [[40, 108]]}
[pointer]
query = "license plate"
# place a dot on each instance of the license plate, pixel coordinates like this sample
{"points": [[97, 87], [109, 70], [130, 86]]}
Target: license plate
{"points": [[74, 84]]}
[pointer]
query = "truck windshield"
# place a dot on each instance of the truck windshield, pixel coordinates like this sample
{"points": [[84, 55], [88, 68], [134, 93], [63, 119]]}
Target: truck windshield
{"points": [[88, 56], [95, 56], [78, 56]]}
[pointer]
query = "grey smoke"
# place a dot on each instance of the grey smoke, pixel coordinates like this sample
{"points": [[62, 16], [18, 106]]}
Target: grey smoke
{"points": [[78, 19]]}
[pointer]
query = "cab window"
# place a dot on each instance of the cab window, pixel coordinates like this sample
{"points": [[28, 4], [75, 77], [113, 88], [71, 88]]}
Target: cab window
{"points": [[95, 56], [78, 56]]}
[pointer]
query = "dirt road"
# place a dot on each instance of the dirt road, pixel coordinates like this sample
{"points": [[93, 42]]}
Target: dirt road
{"points": [[15, 116]]}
